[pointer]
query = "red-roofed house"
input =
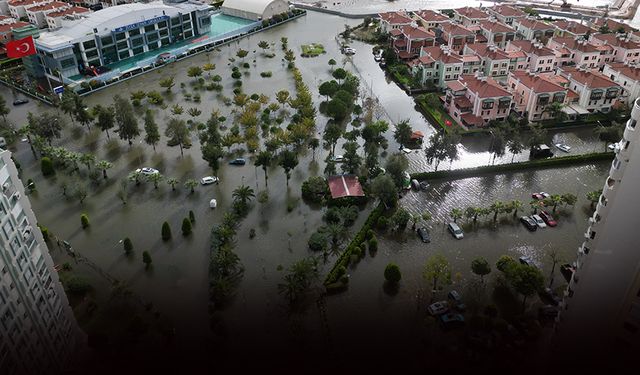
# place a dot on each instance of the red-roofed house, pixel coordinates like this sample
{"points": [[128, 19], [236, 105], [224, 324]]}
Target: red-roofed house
{"points": [[431, 19], [474, 100], [469, 16], [495, 62], [456, 36], [394, 20], [566, 28], [624, 49], [506, 14], [611, 25], [18, 8], [409, 40], [38, 14], [597, 92], [438, 65], [531, 29], [532, 94], [55, 19], [578, 52], [497, 33], [539, 57], [626, 76], [6, 31], [345, 186], [7, 20]]}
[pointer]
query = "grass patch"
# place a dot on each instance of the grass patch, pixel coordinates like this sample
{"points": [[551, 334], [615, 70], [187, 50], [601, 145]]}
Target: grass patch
{"points": [[432, 108], [312, 50], [541, 163]]}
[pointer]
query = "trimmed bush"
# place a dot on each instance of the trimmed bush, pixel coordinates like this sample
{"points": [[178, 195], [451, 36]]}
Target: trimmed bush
{"points": [[373, 244], [186, 226], [192, 217], [166, 231], [84, 221], [46, 165], [382, 223], [146, 259], [128, 246], [317, 242], [392, 273]]}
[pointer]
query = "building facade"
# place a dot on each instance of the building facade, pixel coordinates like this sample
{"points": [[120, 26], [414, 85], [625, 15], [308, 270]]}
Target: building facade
{"points": [[254, 9], [600, 313], [597, 92], [38, 332], [628, 77], [473, 100]]}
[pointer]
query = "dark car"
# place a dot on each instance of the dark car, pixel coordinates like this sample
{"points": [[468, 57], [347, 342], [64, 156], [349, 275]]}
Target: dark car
{"points": [[548, 218], [424, 185], [549, 296], [20, 101], [424, 234], [456, 300], [238, 161], [451, 320], [529, 223]]}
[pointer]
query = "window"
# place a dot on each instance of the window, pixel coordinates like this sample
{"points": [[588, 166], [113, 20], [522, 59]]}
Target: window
{"points": [[137, 51], [122, 45], [162, 24], [67, 63], [89, 44], [106, 40], [120, 36], [134, 32], [137, 42], [149, 28]]}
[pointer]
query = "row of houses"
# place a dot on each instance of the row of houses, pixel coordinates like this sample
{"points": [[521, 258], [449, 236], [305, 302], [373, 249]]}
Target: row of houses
{"points": [[495, 61]]}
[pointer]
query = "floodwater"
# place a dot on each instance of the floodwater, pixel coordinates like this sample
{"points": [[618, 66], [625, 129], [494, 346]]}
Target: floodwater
{"points": [[258, 319]]}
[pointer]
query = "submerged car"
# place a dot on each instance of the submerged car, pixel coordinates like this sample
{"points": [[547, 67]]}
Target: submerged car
{"points": [[456, 300], [548, 218], [563, 147], [209, 180], [540, 196], [529, 223], [20, 101], [528, 261], [238, 161], [338, 159], [424, 235], [438, 308], [147, 171], [455, 230], [424, 185], [539, 222], [451, 320]]}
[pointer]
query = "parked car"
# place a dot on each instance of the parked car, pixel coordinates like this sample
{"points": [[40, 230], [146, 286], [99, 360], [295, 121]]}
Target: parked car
{"points": [[415, 184], [612, 146], [455, 230], [407, 150], [451, 320], [238, 161], [456, 300], [147, 171], [376, 171], [528, 261], [337, 158], [424, 234], [540, 196], [438, 308], [424, 185], [349, 51], [213, 203], [541, 151], [539, 222], [549, 296], [209, 180], [563, 147], [20, 101], [529, 223], [548, 218]]}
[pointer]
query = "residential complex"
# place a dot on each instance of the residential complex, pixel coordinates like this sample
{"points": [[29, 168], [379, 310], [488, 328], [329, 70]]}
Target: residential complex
{"points": [[38, 332], [601, 309]]}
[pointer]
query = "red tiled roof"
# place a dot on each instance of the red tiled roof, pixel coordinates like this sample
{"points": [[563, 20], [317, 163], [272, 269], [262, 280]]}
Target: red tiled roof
{"points": [[626, 70], [572, 27], [426, 60], [613, 25], [49, 6], [508, 11], [345, 186], [496, 27], [395, 32], [473, 13], [404, 54], [462, 102], [395, 18], [573, 44], [455, 29], [534, 24], [400, 43], [590, 78], [72, 10], [536, 83], [470, 58], [429, 15], [455, 85], [484, 87], [6, 28], [437, 54], [417, 32], [485, 50], [471, 119], [481, 38], [17, 3], [529, 47], [613, 40]]}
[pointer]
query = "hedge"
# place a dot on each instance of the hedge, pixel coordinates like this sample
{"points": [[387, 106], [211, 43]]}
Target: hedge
{"points": [[343, 261], [540, 163]]}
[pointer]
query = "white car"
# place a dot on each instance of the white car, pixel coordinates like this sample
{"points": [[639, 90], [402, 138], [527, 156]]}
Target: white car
{"points": [[213, 203], [349, 51], [209, 180], [407, 150], [563, 147], [539, 222], [147, 171], [338, 158]]}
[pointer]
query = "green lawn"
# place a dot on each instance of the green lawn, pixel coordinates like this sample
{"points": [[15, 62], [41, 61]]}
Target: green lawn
{"points": [[312, 50], [438, 115]]}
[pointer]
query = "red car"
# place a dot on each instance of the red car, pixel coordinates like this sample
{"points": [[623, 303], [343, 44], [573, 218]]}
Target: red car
{"points": [[547, 218], [540, 196]]}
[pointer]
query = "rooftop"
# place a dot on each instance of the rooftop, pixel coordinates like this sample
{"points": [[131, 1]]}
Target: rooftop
{"points": [[508, 11], [6, 28], [533, 24], [429, 15], [396, 17], [537, 83], [489, 51], [575, 44], [496, 27], [439, 54], [612, 39], [631, 72], [17, 3], [345, 186], [417, 32], [611, 24], [68, 11], [50, 6], [455, 29], [472, 12], [589, 78], [572, 27], [483, 87], [528, 46]]}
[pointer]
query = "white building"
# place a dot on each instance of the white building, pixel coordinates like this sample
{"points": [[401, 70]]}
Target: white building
{"points": [[18, 8], [65, 17], [254, 9], [601, 311], [38, 15], [38, 332], [627, 76]]}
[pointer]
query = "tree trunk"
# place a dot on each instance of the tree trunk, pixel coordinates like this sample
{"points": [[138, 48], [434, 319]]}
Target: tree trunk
{"points": [[107, 131], [181, 152], [435, 283], [524, 303], [104, 174], [266, 178]]}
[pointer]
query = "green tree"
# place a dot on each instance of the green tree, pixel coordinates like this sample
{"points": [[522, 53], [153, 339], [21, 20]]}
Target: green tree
{"points": [[105, 117], [166, 231], [128, 246], [173, 182], [242, 54], [288, 160], [569, 199], [167, 83], [392, 273], [104, 165], [46, 166], [480, 267], [554, 200], [456, 214], [264, 160], [146, 259], [339, 74], [396, 168], [186, 226], [328, 89], [437, 269], [504, 263], [88, 159], [194, 71], [242, 195], [400, 219], [152, 134], [178, 133], [352, 160], [46, 125], [4, 110], [155, 178], [336, 233], [383, 188], [191, 185], [125, 119], [593, 197], [332, 63], [299, 278], [84, 221], [402, 133], [497, 208], [314, 143], [515, 206], [526, 280]]}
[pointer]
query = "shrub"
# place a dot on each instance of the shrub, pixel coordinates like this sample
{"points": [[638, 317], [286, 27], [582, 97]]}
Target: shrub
{"points": [[192, 217], [186, 227], [166, 231], [266, 74], [252, 233], [315, 189], [382, 223], [504, 262], [84, 221], [128, 246], [370, 234], [246, 65], [373, 244], [146, 259], [236, 75], [392, 273], [332, 215], [317, 241], [77, 285], [46, 165]]}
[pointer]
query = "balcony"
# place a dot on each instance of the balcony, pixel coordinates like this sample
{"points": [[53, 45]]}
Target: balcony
{"points": [[629, 130], [617, 168]]}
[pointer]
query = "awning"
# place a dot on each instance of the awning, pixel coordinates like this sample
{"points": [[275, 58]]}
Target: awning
{"points": [[345, 186]]}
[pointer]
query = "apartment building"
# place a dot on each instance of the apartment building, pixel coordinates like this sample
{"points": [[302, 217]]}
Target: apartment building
{"points": [[497, 33], [394, 20], [600, 315], [539, 57], [610, 25], [506, 14], [18, 8], [430, 19], [38, 332], [628, 77], [532, 29], [408, 40], [597, 92], [38, 14], [473, 100], [495, 62], [456, 36], [437, 65], [579, 52], [533, 93], [470, 17], [6, 20]]}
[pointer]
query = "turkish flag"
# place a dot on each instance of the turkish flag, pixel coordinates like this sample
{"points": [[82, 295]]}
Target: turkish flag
{"points": [[21, 47]]}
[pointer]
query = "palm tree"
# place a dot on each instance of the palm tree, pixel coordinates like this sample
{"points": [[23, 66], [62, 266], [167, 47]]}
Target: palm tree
{"points": [[470, 213], [496, 208], [534, 204], [155, 178], [337, 232], [135, 176], [87, 159], [264, 160], [243, 195], [515, 205], [554, 200], [426, 216], [191, 184], [173, 182], [456, 214], [104, 165], [569, 199], [594, 197]]}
